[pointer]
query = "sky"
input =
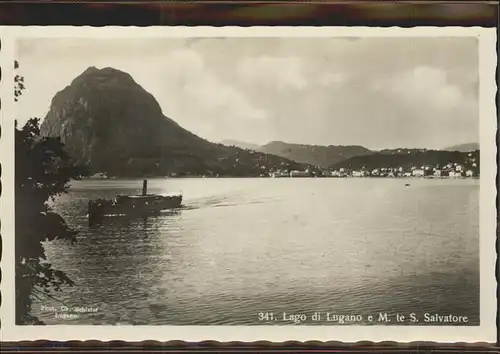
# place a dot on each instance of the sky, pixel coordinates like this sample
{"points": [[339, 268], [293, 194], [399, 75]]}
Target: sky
{"points": [[375, 92]]}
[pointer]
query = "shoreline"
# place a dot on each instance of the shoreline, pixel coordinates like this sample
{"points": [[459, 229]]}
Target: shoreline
{"points": [[268, 177]]}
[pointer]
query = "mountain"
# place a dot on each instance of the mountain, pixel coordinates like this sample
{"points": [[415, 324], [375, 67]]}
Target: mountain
{"points": [[110, 124], [240, 144], [410, 158], [463, 147], [400, 151], [317, 155]]}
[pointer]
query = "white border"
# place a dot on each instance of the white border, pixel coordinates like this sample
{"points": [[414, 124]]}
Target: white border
{"points": [[486, 332]]}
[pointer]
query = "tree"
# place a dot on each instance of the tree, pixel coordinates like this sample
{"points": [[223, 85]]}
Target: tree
{"points": [[43, 171], [18, 83]]}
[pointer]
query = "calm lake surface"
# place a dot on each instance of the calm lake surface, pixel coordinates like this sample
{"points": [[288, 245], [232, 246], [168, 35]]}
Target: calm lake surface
{"points": [[241, 247]]}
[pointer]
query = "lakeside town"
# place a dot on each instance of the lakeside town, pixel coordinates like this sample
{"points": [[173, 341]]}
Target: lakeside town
{"points": [[450, 170]]}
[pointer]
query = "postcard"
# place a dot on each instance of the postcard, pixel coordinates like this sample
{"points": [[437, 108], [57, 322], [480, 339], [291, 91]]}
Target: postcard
{"points": [[247, 184]]}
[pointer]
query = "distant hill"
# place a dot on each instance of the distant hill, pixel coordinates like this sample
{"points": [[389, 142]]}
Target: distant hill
{"points": [[317, 155], [112, 125], [464, 147], [401, 151], [410, 158], [240, 144]]}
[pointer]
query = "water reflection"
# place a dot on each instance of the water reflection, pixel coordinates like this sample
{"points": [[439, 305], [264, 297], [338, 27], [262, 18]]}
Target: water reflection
{"points": [[124, 257], [238, 247], [129, 221]]}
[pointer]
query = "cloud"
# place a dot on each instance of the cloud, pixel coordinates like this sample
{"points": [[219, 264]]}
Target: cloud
{"points": [[428, 106], [428, 89], [429, 85], [184, 62], [211, 96], [276, 72], [332, 78], [192, 93], [378, 92]]}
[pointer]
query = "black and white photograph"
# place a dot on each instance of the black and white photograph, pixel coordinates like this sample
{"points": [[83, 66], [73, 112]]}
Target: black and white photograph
{"points": [[246, 181]]}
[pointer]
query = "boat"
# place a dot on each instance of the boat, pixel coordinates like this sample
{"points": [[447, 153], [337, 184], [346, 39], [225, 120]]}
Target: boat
{"points": [[135, 205]]}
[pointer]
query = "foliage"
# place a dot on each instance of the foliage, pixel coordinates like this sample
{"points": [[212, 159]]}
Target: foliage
{"points": [[18, 83], [43, 171]]}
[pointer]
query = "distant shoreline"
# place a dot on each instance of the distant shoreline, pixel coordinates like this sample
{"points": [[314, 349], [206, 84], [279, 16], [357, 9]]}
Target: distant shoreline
{"points": [[268, 177]]}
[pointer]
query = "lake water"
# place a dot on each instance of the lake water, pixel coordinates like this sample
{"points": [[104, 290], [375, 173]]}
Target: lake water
{"points": [[241, 247]]}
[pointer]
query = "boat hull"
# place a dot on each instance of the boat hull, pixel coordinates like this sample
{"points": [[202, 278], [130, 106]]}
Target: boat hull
{"points": [[133, 206]]}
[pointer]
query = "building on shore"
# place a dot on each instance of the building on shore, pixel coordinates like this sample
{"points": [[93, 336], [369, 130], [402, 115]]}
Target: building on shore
{"points": [[360, 173], [280, 174], [296, 173], [418, 172]]}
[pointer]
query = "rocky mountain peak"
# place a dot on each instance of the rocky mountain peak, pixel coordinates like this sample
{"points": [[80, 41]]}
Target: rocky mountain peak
{"points": [[105, 111], [111, 124]]}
